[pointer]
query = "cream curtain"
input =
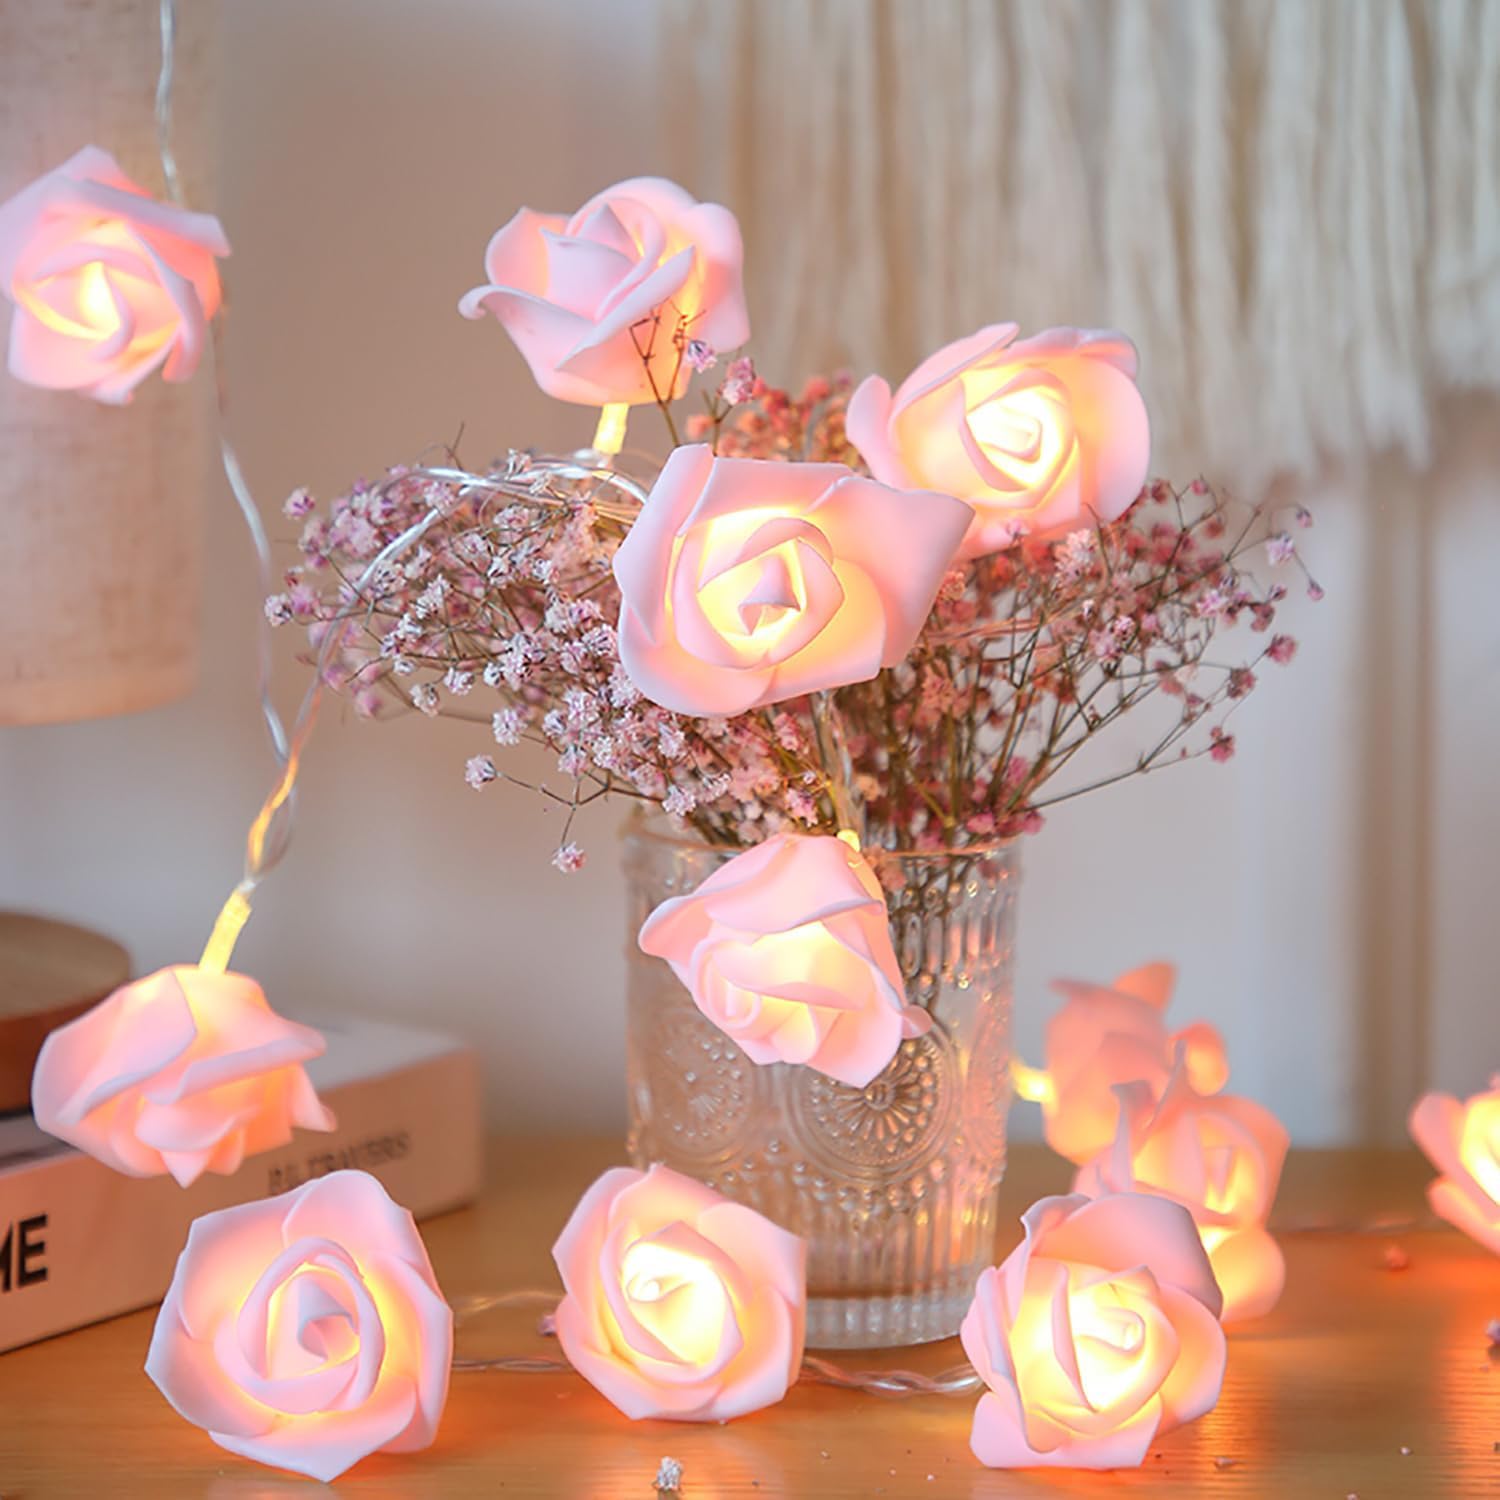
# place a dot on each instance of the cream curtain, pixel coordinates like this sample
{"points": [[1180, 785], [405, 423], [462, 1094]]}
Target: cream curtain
{"points": [[1293, 206]]}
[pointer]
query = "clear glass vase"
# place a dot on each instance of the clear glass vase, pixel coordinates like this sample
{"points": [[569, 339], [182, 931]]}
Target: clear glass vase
{"points": [[893, 1186]]}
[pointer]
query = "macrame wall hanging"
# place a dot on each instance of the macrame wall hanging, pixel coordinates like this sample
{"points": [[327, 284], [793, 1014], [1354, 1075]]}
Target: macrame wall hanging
{"points": [[1294, 207]]}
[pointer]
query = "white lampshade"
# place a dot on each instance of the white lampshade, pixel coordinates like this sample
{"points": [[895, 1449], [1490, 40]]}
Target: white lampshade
{"points": [[101, 507]]}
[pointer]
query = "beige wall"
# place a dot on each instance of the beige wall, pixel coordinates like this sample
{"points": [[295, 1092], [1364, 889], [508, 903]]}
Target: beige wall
{"points": [[371, 147]]}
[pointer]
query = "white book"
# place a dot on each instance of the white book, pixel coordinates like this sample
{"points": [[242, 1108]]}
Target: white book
{"points": [[79, 1242]]}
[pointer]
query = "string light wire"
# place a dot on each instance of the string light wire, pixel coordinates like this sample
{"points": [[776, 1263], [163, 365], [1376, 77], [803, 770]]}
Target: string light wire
{"points": [[613, 495], [270, 832]]}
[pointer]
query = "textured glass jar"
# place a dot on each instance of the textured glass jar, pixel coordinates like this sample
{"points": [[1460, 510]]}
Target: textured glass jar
{"points": [[893, 1186]]}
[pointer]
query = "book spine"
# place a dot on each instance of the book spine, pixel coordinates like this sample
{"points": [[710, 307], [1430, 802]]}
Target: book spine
{"points": [[79, 1242]]}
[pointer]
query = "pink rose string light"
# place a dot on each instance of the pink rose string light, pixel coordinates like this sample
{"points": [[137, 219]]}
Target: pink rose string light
{"points": [[1107, 1035], [184, 1071], [1220, 1157], [584, 298], [679, 1303], [745, 583], [307, 1331], [1098, 1333], [108, 284], [1461, 1138], [1041, 436], [787, 950]]}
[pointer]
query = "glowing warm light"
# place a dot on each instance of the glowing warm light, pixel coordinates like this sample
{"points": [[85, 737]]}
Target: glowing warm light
{"points": [[109, 285], [679, 1303], [1026, 434], [1221, 1158], [745, 581], [609, 435], [306, 1331], [587, 299], [678, 1296], [1039, 435], [1479, 1144], [1033, 1084], [226, 930], [787, 950], [1107, 1035], [184, 1071], [1098, 1333], [1462, 1140]]}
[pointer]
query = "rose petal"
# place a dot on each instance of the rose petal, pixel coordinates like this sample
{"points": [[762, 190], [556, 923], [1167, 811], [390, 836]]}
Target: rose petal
{"points": [[348, 1203], [1251, 1272], [185, 1371], [418, 1327], [576, 1252], [793, 881], [1471, 1211], [1124, 1230], [224, 1256], [1192, 1386], [116, 1046], [767, 1365], [868, 525], [1151, 982], [944, 364], [323, 1447], [766, 1254], [998, 1439], [867, 426], [620, 1384], [715, 232]]}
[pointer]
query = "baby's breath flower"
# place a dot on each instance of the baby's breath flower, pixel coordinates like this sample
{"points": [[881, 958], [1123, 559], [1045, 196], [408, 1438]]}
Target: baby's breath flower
{"points": [[569, 859], [507, 726], [479, 771]]}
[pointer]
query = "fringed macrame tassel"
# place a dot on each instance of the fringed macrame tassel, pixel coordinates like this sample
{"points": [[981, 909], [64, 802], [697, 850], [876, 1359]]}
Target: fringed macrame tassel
{"points": [[1293, 208], [1463, 165]]}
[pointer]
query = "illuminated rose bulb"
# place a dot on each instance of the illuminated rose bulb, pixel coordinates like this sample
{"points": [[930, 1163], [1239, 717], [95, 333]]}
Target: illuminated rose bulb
{"points": [[1099, 1333], [1039, 435], [1221, 1158], [108, 284], [577, 294], [679, 1303], [744, 581], [1105, 1035], [185, 1071], [308, 1330], [786, 948], [1462, 1140]]}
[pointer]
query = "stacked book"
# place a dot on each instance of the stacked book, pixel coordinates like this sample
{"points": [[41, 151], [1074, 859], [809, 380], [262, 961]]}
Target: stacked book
{"points": [[79, 1242]]}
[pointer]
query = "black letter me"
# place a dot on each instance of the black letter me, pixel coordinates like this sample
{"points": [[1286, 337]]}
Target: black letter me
{"points": [[30, 1248]]}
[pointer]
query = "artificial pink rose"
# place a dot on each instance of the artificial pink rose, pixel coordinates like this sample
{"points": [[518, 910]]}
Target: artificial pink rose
{"points": [[1221, 1158], [1107, 1035], [1039, 436], [108, 284], [1099, 1333], [1462, 1140], [746, 581], [679, 1304], [787, 950], [308, 1330], [184, 1071], [575, 294]]}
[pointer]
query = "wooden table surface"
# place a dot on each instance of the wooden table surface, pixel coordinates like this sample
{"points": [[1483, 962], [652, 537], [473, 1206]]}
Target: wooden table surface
{"points": [[1360, 1362]]}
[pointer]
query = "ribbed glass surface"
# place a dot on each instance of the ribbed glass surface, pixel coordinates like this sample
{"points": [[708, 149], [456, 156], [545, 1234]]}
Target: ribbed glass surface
{"points": [[893, 1186]]}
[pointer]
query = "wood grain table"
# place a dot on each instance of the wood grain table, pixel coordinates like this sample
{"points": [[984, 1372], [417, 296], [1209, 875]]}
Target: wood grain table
{"points": [[1378, 1347]]}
